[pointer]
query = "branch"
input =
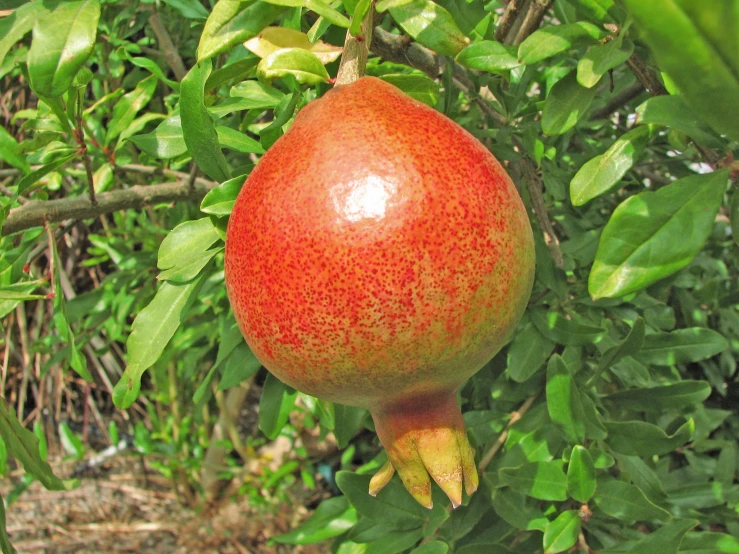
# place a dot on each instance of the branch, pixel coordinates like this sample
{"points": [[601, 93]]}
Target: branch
{"points": [[536, 191], [356, 48], [171, 55], [515, 416], [507, 20], [532, 19], [37, 212], [620, 99]]}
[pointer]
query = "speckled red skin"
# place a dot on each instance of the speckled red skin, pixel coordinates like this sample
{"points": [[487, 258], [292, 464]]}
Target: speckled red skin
{"points": [[378, 255]]}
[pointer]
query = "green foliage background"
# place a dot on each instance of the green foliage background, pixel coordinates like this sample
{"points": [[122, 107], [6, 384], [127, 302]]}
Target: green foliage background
{"points": [[609, 422]]}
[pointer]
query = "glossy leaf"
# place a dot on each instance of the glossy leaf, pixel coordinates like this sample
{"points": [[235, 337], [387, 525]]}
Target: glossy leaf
{"points": [[348, 422], [197, 126], [152, 67], [511, 506], [489, 55], [62, 41], [152, 329], [15, 26], [27, 181], [392, 507], [602, 58], [418, 87], [566, 105], [637, 247], [734, 216], [542, 480], [658, 399], [709, 543], [165, 142], [562, 533], [581, 481], [527, 353], [240, 365], [23, 445], [220, 200], [129, 105], [674, 113], [695, 43], [547, 42], [233, 139], [639, 438], [271, 39], [433, 547], [9, 152], [563, 401], [189, 9], [603, 172], [333, 517], [598, 11], [681, 346], [628, 347], [431, 25], [275, 405], [301, 64], [665, 540], [232, 22], [556, 327], [627, 502], [185, 250]]}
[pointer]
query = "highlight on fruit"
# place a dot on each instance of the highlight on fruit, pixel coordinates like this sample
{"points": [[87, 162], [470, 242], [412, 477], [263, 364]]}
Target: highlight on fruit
{"points": [[378, 256]]}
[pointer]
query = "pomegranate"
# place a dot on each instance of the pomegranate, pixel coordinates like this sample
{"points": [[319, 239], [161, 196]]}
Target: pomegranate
{"points": [[378, 256]]}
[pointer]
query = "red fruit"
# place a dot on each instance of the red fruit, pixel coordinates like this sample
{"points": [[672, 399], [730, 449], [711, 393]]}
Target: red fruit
{"points": [[378, 256]]}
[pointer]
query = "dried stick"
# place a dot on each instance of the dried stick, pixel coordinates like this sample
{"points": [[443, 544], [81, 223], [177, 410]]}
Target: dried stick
{"points": [[515, 416], [171, 55]]}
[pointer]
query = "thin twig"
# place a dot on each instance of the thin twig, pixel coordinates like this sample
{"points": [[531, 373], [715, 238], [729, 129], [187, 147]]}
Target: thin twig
{"points": [[171, 54], [356, 48], [618, 101], [515, 416], [79, 135], [36, 212], [646, 76], [532, 20]]}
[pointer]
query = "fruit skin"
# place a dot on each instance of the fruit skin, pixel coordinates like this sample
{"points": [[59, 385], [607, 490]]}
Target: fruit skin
{"points": [[378, 255]]}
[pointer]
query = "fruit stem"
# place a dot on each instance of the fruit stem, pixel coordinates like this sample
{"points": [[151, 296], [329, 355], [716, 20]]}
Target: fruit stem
{"points": [[426, 439], [356, 49]]}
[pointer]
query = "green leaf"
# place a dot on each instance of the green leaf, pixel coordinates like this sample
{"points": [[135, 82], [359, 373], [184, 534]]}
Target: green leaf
{"points": [[333, 517], [644, 477], [393, 506], [695, 43], [564, 402], [348, 422], [527, 353], [665, 540], [674, 113], [581, 475], [152, 329], [167, 140], [603, 172], [709, 543], [549, 41], [32, 178], [184, 251], [489, 55], [189, 9], [433, 547], [627, 502], [129, 105], [5, 543], [734, 215], [598, 11], [658, 399], [239, 366], [417, 86], [556, 327], [601, 459], [638, 246], [62, 41], [220, 200], [240, 142], [639, 438], [9, 152], [232, 22], [542, 480], [197, 126], [562, 533], [301, 64], [681, 346], [71, 443], [566, 105], [431, 25], [15, 26], [153, 67], [275, 405], [23, 445], [511, 506], [602, 58], [628, 347]]}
